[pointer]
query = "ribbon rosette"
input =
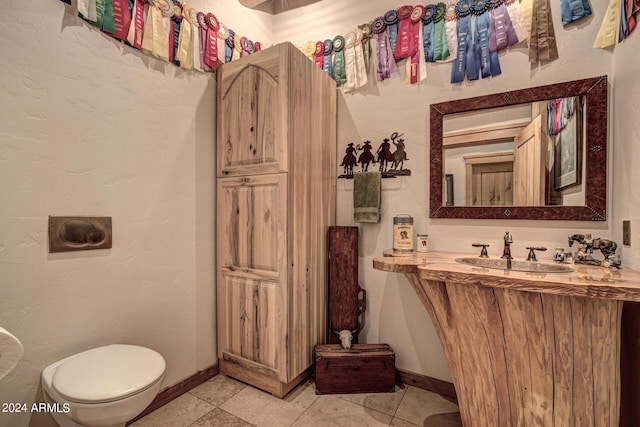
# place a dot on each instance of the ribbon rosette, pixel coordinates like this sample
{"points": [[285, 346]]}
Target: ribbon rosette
{"points": [[386, 64], [327, 66], [339, 71], [405, 46]]}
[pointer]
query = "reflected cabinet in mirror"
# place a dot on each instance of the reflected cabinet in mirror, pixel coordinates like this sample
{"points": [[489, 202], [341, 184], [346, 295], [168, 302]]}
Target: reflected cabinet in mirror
{"points": [[538, 153]]}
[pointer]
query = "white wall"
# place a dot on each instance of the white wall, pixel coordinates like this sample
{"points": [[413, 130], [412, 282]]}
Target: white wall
{"points": [[394, 313], [91, 127], [626, 149]]}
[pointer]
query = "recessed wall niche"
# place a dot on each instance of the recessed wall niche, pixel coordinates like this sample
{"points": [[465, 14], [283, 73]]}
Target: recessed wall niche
{"points": [[79, 233]]}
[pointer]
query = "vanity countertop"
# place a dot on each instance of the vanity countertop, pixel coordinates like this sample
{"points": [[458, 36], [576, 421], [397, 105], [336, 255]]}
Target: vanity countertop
{"points": [[586, 281]]}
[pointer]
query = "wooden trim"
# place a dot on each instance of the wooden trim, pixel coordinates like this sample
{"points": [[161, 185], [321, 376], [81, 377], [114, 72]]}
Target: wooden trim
{"points": [[484, 135], [261, 380], [170, 393], [443, 388]]}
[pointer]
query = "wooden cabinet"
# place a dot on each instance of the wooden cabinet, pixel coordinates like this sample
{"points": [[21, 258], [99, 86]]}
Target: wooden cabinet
{"points": [[276, 191]]}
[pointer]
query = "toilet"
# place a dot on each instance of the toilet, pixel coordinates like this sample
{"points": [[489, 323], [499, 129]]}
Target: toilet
{"points": [[103, 387]]}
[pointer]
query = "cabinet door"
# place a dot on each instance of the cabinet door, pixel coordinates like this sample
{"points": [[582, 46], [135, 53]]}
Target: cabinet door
{"points": [[250, 116], [252, 272]]}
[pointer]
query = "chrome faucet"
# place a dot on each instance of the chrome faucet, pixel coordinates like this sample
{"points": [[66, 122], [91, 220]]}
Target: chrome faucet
{"points": [[506, 253]]}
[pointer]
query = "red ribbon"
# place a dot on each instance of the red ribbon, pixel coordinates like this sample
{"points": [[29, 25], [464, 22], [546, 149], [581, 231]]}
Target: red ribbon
{"points": [[138, 16], [121, 19], [319, 54], [211, 47], [405, 45]]}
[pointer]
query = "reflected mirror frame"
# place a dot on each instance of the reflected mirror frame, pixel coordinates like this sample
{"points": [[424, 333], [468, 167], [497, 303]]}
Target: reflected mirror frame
{"points": [[595, 153]]}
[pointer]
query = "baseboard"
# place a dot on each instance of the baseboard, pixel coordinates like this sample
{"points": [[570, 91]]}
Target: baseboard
{"points": [[170, 393], [424, 382]]}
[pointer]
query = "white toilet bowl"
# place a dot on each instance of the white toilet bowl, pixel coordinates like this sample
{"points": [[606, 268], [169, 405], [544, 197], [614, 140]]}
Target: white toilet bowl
{"points": [[103, 387]]}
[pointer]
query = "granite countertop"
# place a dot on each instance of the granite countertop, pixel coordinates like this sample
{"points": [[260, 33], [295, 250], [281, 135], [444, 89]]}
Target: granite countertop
{"points": [[585, 281]]}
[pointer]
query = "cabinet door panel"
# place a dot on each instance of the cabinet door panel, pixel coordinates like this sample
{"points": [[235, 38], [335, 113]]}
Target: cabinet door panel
{"points": [[249, 139], [252, 270]]}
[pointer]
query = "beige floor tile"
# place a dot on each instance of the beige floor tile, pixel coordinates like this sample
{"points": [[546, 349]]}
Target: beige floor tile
{"points": [[178, 413], [397, 422], [264, 410], [331, 411], [218, 389], [421, 407], [220, 418], [386, 403]]}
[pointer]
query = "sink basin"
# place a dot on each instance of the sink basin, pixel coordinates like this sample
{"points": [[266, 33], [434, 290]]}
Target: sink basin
{"points": [[529, 266]]}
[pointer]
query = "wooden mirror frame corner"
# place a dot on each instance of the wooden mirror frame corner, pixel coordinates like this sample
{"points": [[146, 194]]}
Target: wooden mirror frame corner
{"points": [[595, 208]]}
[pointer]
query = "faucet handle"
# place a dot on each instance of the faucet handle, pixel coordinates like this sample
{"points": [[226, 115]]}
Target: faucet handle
{"points": [[483, 252], [532, 254]]}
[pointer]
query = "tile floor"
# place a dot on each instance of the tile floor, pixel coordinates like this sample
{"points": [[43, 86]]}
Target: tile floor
{"points": [[225, 402]]}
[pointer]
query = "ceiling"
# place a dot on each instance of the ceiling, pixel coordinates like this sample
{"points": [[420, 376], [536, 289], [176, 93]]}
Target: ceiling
{"points": [[275, 6]]}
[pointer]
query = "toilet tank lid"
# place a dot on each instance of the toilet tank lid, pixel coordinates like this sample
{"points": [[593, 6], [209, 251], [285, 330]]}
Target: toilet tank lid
{"points": [[108, 373]]}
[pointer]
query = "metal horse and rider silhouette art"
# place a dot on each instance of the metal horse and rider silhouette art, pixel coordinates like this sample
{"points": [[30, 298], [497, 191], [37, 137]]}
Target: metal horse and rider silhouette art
{"points": [[390, 158]]}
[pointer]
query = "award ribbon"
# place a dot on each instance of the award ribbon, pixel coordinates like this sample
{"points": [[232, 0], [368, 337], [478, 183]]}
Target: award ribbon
{"points": [[572, 10], [428, 31], [237, 48], [228, 50], [405, 46], [309, 49], [318, 54], [136, 28], [502, 33], [487, 61], [391, 19], [416, 21], [223, 35], [361, 66], [350, 61], [386, 64], [629, 15], [211, 46], [450, 29], [441, 45], [542, 43], [327, 67], [465, 59], [517, 20], [202, 32], [184, 53], [257, 46], [176, 25], [121, 19], [108, 20], [247, 46], [339, 72], [66, 1], [147, 36], [161, 27], [366, 44], [88, 10]]}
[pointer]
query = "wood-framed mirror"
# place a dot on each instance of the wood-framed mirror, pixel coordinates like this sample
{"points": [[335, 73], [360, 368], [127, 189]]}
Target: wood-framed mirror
{"points": [[537, 153]]}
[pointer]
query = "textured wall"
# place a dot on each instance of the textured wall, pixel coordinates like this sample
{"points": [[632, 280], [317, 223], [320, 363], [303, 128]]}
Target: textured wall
{"points": [[91, 127], [394, 313]]}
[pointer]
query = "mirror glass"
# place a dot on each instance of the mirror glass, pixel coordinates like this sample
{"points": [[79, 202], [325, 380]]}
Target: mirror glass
{"points": [[537, 153]]}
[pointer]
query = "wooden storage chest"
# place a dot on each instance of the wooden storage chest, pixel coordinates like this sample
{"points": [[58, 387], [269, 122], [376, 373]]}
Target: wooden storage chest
{"points": [[364, 368]]}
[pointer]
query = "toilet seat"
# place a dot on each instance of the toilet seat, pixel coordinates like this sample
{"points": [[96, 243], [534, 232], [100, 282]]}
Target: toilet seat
{"points": [[107, 374]]}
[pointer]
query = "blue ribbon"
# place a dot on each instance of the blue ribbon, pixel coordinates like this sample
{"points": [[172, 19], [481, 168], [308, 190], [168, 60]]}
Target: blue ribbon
{"points": [[228, 46], [391, 18], [66, 1], [465, 57], [572, 10], [428, 32], [488, 61], [327, 66]]}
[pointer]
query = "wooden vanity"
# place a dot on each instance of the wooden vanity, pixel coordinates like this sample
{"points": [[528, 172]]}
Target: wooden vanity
{"points": [[525, 348]]}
